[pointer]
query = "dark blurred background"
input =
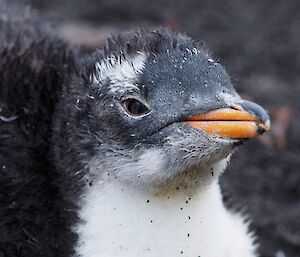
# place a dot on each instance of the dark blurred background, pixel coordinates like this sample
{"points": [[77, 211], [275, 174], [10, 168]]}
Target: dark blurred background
{"points": [[259, 44]]}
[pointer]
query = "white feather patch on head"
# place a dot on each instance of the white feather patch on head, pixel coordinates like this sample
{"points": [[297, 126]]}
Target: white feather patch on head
{"points": [[117, 69]]}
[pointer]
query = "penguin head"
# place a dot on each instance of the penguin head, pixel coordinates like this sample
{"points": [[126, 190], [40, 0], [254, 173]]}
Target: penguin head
{"points": [[159, 111]]}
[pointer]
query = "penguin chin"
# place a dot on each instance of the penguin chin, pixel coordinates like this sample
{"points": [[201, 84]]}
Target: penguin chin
{"points": [[188, 179], [162, 173], [194, 177]]}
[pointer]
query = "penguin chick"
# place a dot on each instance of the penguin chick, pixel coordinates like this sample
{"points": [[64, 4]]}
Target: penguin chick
{"points": [[118, 153]]}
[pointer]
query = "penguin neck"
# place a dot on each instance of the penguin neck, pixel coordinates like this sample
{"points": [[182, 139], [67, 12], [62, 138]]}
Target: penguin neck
{"points": [[124, 221], [121, 220]]}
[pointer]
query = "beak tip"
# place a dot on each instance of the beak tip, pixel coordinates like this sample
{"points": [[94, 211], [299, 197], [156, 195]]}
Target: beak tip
{"points": [[264, 127], [268, 125], [264, 123]]}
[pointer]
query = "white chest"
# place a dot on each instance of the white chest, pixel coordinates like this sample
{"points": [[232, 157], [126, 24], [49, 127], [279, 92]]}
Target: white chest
{"points": [[121, 221]]}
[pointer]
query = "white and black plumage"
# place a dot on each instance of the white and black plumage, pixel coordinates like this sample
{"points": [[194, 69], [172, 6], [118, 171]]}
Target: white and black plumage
{"points": [[96, 156]]}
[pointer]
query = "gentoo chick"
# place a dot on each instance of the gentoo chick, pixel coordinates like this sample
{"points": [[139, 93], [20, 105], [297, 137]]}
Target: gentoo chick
{"points": [[118, 153]]}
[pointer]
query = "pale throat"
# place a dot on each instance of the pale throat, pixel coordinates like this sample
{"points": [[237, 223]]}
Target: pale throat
{"points": [[120, 220]]}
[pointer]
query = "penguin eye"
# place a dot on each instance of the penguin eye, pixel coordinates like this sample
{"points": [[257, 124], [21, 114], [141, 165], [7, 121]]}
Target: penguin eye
{"points": [[134, 107]]}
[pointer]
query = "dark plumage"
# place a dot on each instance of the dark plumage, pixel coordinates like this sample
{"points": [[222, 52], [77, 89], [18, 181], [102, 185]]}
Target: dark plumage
{"points": [[34, 64], [53, 123]]}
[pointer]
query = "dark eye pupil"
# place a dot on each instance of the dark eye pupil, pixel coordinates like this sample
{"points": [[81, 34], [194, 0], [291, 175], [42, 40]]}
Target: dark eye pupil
{"points": [[135, 107]]}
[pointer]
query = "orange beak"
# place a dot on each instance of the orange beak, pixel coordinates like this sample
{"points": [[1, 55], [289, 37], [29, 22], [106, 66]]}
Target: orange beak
{"points": [[230, 123]]}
